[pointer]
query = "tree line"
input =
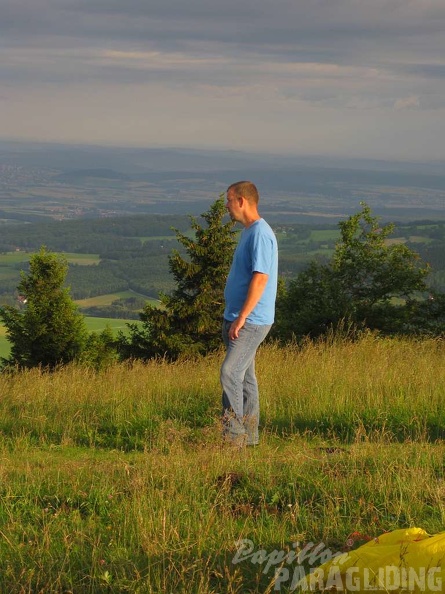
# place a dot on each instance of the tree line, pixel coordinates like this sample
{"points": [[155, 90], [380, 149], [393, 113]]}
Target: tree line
{"points": [[133, 251], [367, 283], [97, 235]]}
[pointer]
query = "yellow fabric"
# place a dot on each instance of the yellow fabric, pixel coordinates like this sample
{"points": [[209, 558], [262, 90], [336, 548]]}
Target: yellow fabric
{"points": [[407, 560]]}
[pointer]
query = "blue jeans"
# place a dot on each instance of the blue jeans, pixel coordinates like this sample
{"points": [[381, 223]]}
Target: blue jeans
{"points": [[240, 399]]}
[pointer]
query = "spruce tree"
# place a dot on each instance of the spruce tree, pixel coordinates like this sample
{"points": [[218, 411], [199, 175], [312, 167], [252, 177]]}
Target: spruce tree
{"points": [[49, 330], [188, 321]]}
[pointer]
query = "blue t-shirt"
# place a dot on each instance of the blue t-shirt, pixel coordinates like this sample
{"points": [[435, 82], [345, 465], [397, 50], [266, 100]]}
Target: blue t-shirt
{"points": [[256, 251]]}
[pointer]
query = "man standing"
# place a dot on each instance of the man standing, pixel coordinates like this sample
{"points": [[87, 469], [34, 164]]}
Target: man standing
{"points": [[250, 295]]}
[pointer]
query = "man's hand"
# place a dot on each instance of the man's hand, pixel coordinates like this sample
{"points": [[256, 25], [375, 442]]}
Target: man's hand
{"points": [[235, 327], [256, 288]]}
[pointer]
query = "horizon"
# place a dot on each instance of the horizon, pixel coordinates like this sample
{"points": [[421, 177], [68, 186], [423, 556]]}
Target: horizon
{"points": [[307, 159]]}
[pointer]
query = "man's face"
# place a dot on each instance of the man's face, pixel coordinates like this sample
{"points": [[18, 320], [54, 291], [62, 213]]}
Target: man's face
{"points": [[233, 205]]}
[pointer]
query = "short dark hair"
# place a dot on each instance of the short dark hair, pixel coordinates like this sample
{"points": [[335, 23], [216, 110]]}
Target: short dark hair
{"points": [[246, 189]]}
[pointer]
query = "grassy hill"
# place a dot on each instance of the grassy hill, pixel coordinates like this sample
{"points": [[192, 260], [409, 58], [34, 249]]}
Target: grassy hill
{"points": [[117, 481]]}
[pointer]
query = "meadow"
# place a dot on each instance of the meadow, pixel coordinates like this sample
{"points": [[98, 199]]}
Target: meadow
{"points": [[108, 298], [118, 481]]}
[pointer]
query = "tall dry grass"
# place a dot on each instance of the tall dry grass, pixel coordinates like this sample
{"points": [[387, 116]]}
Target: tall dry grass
{"points": [[336, 389], [117, 481]]}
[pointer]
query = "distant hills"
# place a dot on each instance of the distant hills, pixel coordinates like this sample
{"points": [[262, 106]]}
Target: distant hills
{"points": [[70, 181], [138, 160]]}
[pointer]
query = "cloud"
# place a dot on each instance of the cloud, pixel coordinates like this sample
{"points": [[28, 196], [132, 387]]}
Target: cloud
{"points": [[412, 102], [254, 64]]}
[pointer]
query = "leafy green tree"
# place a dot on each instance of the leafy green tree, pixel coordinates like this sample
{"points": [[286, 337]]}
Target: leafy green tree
{"points": [[426, 316], [49, 330], [372, 270], [368, 282], [310, 304], [100, 350], [188, 321]]}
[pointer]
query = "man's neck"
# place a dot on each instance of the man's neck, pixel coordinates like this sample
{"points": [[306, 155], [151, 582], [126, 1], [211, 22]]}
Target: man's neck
{"points": [[250, 222], [251, 218]]}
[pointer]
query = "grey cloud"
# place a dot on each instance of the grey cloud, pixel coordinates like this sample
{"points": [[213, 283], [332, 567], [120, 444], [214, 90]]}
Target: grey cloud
{"points": [[432, 101], [425, 70], [346, 32], [337, 56], [296, 25]]}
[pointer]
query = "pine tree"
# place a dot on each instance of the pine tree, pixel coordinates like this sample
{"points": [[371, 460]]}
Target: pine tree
{"points": [[49, 330], [188, 321]]}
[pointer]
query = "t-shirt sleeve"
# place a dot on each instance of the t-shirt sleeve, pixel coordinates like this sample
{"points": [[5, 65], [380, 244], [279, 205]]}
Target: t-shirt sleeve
{"points": [[262, 253]]}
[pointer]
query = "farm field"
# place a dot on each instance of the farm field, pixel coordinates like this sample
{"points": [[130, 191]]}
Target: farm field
{"points": [[4, 344], [108, 299], [14, 258], [112, 256], [98, 324], [117, 481]]}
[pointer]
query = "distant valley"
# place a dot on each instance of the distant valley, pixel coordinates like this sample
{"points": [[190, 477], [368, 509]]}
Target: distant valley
{"points": [[113, 212], [41, 182]]}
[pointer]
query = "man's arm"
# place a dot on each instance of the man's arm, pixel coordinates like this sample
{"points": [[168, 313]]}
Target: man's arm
{"points": [[256, 289]]}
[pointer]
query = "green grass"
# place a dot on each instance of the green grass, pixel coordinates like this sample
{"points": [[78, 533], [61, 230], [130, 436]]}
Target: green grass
{"points": [[116, 481], [98, 324]]}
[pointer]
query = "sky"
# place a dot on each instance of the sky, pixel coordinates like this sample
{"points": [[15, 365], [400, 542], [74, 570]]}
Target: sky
{"points": [[349, 78]]}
